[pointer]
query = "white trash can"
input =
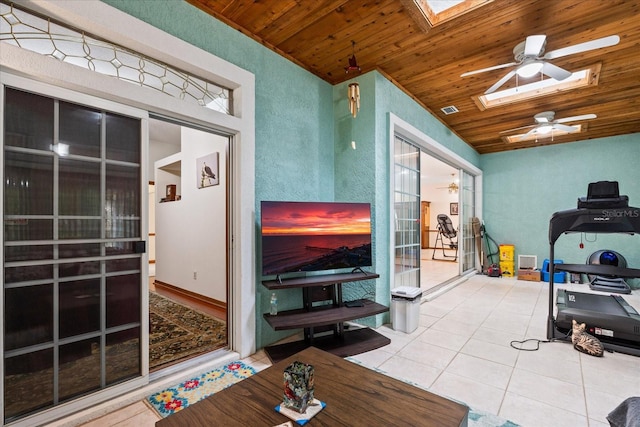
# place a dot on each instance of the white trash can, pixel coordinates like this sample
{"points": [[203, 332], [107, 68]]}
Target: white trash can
{"points": [[405, 308]]}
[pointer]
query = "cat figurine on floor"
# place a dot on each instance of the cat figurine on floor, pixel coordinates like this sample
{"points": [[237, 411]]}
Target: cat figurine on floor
{"points": [[584, 342]]}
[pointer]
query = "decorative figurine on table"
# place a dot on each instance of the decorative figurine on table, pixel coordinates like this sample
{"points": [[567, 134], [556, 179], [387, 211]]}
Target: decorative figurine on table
{"points": [[298, 386]]}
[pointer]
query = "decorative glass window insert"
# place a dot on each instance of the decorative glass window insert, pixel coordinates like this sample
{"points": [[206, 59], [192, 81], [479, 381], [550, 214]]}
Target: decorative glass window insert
{"points": [[41, 35]]}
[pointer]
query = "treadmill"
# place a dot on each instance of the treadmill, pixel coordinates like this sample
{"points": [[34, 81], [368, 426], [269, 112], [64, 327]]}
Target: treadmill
{"points": [[608, 317]]}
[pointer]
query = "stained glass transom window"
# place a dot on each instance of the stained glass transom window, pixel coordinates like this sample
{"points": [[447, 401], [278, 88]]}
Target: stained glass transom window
{"points": [[29, 31]]}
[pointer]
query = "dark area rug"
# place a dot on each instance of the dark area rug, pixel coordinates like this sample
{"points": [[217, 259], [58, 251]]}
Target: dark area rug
{"points": [[177, 332]]}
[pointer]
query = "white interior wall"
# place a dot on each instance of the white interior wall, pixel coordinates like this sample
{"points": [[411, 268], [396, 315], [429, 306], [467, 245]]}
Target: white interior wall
{"points": [[191, 232], [164, 140], [160, 149]]}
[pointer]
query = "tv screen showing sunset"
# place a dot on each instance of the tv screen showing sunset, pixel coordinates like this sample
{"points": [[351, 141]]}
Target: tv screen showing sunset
{"points": [[313, 236]]}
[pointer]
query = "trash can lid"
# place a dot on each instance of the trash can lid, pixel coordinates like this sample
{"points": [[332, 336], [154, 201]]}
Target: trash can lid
{"points": [[406, 291]]}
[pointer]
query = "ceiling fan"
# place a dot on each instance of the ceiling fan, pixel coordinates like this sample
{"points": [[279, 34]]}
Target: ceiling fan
{"points": [[547, 124], [453, 187], [530, 59]]}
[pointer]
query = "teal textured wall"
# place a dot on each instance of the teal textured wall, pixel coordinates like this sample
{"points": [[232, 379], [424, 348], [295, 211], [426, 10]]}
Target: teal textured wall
{"points": [[363, 173], [355, 173], [523, 188]]}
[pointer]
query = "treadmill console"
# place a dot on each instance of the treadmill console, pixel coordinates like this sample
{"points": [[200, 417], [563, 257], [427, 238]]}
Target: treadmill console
{"points": [[603, 194]]}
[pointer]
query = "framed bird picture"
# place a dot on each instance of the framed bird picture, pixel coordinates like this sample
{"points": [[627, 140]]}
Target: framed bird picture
{"points": [[207, 170]]}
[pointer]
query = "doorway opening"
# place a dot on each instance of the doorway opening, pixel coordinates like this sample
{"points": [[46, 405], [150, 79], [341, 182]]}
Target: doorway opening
{"points": [[188, 223], [440, 248], [456, 195]]}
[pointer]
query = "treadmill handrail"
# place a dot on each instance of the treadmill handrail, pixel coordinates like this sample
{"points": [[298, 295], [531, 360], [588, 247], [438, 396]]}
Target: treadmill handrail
{"points": [[614, 220], [599, 269]]}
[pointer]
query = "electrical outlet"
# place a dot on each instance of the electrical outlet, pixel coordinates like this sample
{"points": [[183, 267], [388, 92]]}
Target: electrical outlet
{"points": [[195, 275]]}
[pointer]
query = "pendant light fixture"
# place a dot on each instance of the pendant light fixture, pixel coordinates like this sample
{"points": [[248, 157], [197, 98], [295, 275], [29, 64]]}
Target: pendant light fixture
{"points": [[353, 93]]}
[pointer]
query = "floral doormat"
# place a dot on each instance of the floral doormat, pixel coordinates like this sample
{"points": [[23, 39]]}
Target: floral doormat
{"points": [[176, 332], [175, 399]]}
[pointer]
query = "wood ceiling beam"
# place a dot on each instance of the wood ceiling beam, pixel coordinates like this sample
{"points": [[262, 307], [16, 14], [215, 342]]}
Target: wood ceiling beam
{"points": [[418, 14]]}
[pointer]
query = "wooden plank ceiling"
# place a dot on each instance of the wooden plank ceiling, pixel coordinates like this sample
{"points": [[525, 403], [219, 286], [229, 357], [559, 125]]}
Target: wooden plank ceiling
{"points": [[427, 61]]}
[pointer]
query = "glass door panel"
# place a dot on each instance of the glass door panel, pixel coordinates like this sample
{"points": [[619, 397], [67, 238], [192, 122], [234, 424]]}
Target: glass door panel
{"points": [[72, 251], [468, 211], [29, 121], [28, 190], [407, 213], [120, 132], [79, 188], [79, 130]]}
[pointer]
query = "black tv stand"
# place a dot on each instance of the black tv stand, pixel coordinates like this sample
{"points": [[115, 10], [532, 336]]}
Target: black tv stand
{"points": [[323, 311]]}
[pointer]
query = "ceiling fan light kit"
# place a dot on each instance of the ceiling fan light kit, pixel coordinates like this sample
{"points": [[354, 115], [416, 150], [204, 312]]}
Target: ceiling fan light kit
{"points": [[529, 69], [546, 124]]}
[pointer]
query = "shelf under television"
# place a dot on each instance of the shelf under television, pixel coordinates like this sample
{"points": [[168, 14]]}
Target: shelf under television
{"points": [[301, 318], [316, 319]]}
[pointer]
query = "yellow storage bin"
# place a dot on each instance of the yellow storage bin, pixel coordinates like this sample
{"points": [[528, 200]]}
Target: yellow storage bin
{"points": [[507, 253], [507, 268]]}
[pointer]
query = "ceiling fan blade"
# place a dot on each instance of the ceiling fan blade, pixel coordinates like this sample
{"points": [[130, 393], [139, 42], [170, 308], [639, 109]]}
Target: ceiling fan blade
{"points": [[523, 136], [583, 47], [534, 44], [495, 67], [565, 128], [500, 82], [554, 71], [577, 118]]}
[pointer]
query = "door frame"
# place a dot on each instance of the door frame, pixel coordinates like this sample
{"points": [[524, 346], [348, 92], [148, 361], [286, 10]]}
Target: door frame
{"points": [[118, 27], [399, 127]]}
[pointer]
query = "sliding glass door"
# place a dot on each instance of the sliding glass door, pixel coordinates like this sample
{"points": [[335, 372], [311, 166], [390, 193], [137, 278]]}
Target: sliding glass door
{"points": [[72, 251], [467, 213], [406, 213]]}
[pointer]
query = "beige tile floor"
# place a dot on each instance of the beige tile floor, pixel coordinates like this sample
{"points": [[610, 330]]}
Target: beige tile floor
{"points": [[435, 272], [461, 350]]}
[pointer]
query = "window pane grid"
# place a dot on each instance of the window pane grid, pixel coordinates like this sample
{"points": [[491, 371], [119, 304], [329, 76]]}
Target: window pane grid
{"points": [[407, 213], [60, 257]]}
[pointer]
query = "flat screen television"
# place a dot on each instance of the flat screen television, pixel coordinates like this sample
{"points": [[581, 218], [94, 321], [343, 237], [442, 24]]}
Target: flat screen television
{"points": [[314, 236]]}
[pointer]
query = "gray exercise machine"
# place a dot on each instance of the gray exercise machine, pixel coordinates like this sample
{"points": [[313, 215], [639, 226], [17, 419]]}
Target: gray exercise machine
{"points": [[608, 317]]}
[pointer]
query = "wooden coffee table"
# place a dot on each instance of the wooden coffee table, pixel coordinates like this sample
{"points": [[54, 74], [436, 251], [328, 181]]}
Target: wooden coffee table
{"points": [[355, 396]]}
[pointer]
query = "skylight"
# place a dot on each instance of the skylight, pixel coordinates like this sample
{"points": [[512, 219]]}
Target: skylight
{"points": [[439, 11], [582, 78]]}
